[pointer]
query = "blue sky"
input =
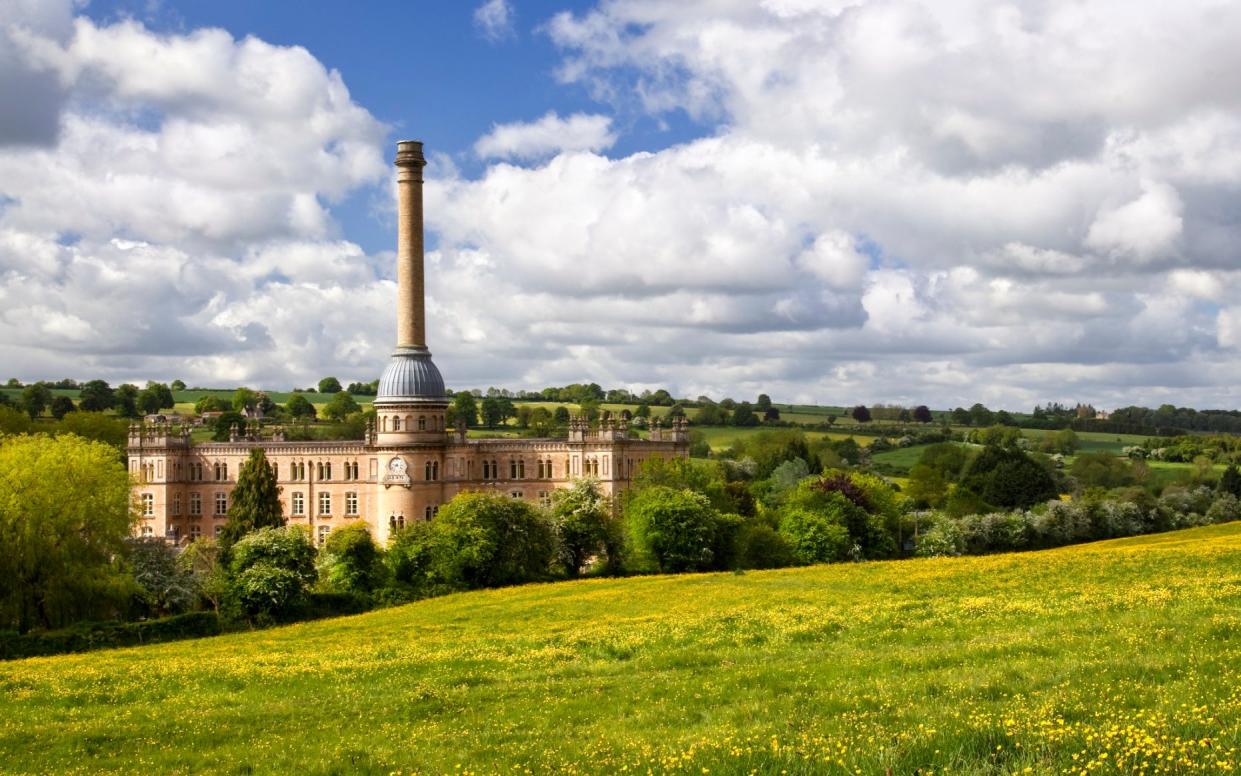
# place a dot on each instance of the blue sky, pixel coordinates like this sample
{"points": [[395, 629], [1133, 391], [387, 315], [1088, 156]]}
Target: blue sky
{"points": [[831, 201], [425, 69]]}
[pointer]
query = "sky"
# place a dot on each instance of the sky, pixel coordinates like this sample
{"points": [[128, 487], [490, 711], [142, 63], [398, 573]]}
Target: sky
{"points": [[939, 202]]}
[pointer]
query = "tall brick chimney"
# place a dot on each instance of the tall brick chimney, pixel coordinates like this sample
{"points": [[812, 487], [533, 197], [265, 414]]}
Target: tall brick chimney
{"points": [[411, 325]]}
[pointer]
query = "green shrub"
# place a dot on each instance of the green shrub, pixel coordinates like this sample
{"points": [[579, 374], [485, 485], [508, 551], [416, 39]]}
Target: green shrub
{"points": [[943, 539], [88, 636], [759, 546], [488, 540], [272, 569], [670, 530], [818, 536], [351, 562]]}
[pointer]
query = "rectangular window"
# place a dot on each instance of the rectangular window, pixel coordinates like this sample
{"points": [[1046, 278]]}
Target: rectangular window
{"points": [[516, 494], [174, 532], [218, 530], [545, 498], [176, 504], [148, 505], [196, 505], [325, 503], [195, 531], [351, 503], [299, 503], [221, 504], [324, 530]]}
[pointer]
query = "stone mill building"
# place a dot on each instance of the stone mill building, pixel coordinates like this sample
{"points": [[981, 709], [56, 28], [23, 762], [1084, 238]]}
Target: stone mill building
{"points": [[410, 461]]}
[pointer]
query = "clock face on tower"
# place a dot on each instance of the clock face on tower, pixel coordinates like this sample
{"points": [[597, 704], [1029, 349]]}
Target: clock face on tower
{"points": [[398, 473]]}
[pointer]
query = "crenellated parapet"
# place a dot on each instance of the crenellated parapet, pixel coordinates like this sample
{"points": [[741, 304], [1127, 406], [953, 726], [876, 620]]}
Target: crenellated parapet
{"points": [[159, 434]]}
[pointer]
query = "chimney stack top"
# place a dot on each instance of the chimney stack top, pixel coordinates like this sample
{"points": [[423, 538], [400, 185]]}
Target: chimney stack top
{"points": [[409, 154]]}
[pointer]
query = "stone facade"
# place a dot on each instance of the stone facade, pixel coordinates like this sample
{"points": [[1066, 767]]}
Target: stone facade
{"points": [[408, 464], [184, 489]]}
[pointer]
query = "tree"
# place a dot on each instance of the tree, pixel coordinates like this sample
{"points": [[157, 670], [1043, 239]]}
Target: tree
{"points": [[927, 487], [223, 426], [981, 416], [126, 400], [671, 530], [464, 410], [1230, 481], [710, 415], [1101, 470], [244, 399], [817, 536], [582, 518], [255, 502], [272, 569], [164, 586], [493, 411], [177, 385], [163, 395], [300, 407], [904, 416], [65, 514], [861, 414], [643, 411], [961, 416], [922, 414], [148, 401], [202, 559], [1006, 477], [341, 406], [210, 403], [351, 561], [763, 403], [772, 415], [96, 426], [744, 415], [62, 406], [96, 396], [35, 399], [329, 385], [661, 398], [489, 540]]}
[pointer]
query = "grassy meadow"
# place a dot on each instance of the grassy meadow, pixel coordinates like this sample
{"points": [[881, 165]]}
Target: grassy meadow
{"points": [[1115, 657]]}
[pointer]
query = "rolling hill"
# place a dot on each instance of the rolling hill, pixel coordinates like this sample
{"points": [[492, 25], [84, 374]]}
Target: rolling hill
{"points": [[1119, 656]]}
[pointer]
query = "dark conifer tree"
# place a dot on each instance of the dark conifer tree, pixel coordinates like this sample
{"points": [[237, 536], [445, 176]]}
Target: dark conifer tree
{"points": [[255, 501]]}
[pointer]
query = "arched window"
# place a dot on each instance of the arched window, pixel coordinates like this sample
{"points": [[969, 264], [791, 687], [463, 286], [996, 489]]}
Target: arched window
{"points": [[396, 423], [422, 422]]}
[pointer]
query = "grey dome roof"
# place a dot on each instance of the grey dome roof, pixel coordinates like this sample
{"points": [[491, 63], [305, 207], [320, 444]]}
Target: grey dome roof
{"points": [[411, 376]]}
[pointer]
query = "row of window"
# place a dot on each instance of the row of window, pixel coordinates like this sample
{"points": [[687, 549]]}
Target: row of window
{"points": [[394, 423], [297, 504]]}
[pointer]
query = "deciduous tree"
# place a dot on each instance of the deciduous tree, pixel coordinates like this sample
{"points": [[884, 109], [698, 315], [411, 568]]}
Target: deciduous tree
{"points": [[65, 513]]}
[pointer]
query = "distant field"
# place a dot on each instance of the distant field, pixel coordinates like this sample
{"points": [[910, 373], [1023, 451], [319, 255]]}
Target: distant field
{"points": [[723, 437], [1119, 657]]}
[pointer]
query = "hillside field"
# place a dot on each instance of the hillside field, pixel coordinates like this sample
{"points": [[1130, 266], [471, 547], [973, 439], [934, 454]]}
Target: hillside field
{"points": [[1115, 657]]}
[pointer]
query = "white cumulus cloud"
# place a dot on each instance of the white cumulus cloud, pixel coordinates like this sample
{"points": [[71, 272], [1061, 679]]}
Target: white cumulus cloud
{"points": [[547, 135]]}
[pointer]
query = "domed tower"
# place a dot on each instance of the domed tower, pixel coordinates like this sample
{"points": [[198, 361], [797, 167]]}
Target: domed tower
{"points": [[411, 406]]}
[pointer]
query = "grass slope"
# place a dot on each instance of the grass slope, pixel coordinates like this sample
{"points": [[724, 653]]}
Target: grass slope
{"points": [[1120, 656]]}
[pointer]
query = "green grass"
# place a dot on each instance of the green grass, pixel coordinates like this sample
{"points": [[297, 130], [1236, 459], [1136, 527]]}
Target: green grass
{"points": [[723, 437], [902, 458], [1118, 653]]}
